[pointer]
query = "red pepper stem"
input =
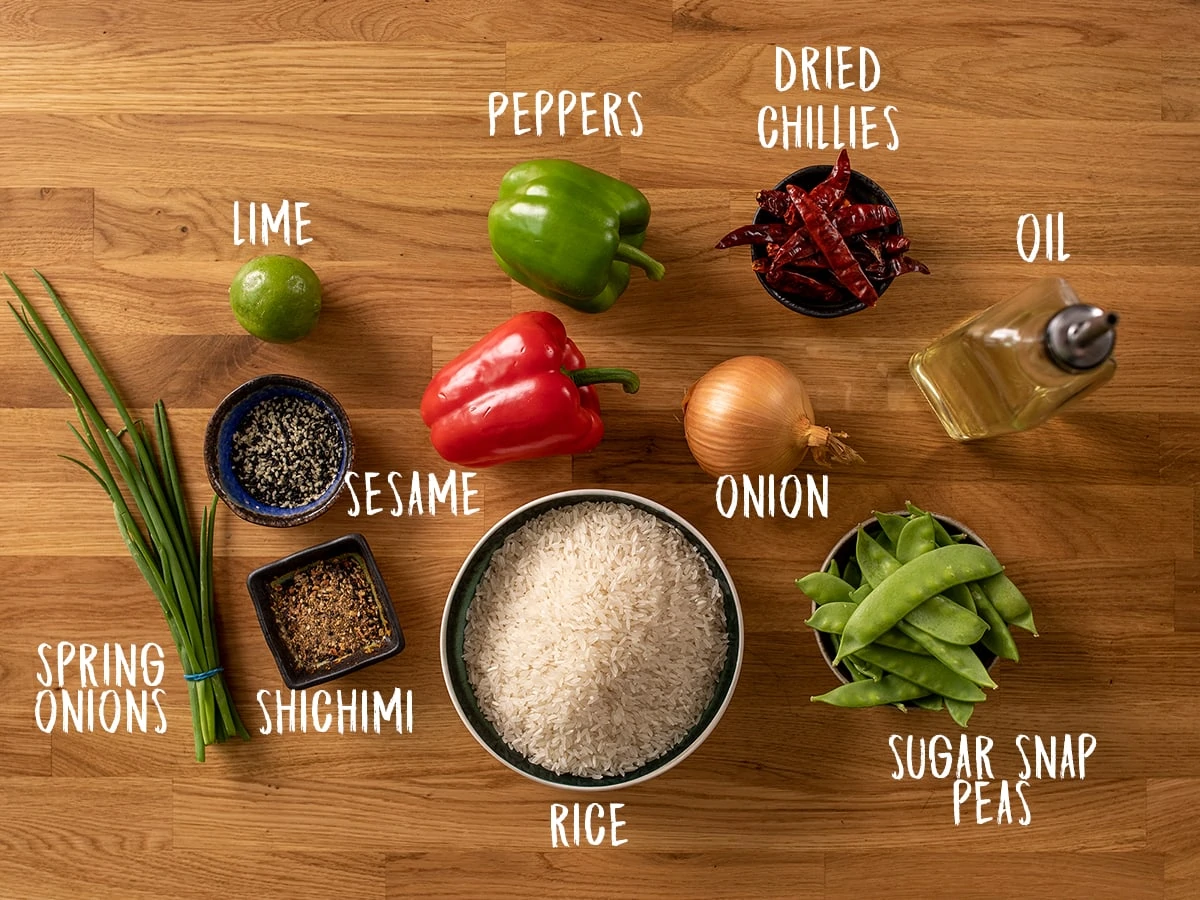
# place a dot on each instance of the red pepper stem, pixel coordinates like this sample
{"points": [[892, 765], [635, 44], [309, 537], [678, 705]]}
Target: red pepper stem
{"points": [[635, 256], [624, 377]]}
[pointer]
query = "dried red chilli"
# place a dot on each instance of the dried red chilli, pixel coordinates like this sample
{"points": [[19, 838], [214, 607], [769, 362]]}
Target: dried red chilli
{"points": [[860, 217], [798, 246], [814, 261], [830, 192], [833, 247], [777, 204], [765, 233], [893, 268], [868, 247], [873, 270], [877, 271], [894, 245], [795, 283]]}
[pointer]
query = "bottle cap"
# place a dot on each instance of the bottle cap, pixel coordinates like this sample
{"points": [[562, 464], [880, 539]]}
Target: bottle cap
{"points": [[1081, 337]]}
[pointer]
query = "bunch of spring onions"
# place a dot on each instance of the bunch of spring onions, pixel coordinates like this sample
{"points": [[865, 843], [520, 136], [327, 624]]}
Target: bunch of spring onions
{"points": [[160, 538]]}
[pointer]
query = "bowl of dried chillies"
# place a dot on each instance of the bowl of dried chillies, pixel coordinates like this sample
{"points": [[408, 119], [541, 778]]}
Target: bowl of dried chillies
{"points": [[827, 241]]}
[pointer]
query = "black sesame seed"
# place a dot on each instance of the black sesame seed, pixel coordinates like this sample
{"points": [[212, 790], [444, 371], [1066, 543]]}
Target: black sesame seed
{"points": [[286, 451]]}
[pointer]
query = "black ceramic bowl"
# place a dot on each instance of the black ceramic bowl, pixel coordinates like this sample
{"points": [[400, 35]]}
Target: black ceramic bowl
{"points": [[218, 449], [843, 551], [861, 190], [261, 580], [454, 622]]}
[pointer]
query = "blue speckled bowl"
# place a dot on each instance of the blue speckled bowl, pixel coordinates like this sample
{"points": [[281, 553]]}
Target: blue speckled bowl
{"points": [[218, 448]]}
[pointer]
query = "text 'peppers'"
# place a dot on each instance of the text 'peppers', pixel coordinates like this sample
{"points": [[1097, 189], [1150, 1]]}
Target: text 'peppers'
{"points": [[570, 233], [521, 392]]}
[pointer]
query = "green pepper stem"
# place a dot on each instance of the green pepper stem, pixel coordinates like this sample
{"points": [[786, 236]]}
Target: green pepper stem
{"points": [[635, 256], [624, 377]]}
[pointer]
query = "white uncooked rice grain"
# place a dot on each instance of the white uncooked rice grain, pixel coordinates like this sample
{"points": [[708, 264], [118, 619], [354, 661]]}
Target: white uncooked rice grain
{"points": [[595, 639]]}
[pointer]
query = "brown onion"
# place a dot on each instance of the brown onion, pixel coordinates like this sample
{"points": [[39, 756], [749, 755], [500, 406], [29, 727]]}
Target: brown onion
{"points": [[750, 415]]}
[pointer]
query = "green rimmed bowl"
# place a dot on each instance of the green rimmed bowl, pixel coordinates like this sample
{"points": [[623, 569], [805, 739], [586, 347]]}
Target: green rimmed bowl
{"points": [[844, 550], [454, 621]]}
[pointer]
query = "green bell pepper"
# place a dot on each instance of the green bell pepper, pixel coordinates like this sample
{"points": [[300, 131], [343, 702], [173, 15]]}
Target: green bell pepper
{"points": [[570, 233]]}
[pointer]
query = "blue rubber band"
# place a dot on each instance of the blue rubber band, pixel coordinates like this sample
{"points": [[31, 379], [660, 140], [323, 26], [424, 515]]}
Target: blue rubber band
{"points": [[201, 676]]}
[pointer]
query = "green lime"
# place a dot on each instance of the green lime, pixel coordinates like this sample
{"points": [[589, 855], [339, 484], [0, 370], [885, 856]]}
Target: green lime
{"points": [[276, 298]]}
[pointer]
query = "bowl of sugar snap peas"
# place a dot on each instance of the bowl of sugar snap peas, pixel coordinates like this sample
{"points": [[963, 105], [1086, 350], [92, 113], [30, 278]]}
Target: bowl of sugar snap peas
{"points": [[912, 609]]}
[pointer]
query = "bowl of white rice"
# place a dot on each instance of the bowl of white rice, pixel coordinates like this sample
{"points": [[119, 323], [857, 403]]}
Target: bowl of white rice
{"points": [[591, 640]]}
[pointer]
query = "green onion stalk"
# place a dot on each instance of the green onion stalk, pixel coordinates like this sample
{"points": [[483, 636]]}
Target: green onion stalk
{"points": [[178, 569]]}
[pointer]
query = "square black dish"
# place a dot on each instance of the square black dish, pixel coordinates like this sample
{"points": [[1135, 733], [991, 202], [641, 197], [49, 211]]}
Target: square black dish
{"points": [[343, 567]]}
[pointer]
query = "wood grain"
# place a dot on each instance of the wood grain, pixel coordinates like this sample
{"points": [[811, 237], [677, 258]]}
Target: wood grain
{"points": [[297, 77], [131, 129]]}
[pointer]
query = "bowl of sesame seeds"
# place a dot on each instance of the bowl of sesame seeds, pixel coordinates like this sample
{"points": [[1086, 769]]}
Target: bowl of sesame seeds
{"points": [[277, 450]]}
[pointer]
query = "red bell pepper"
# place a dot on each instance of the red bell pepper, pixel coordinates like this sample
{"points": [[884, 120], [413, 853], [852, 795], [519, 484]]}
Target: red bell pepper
{"points": [[521, 392]]}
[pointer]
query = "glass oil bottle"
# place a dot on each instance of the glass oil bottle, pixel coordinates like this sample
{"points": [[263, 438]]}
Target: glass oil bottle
{"points": [[1014, 365]]}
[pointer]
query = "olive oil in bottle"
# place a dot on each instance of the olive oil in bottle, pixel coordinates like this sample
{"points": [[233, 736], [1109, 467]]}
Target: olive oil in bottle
{"points": [[1014, 365]]}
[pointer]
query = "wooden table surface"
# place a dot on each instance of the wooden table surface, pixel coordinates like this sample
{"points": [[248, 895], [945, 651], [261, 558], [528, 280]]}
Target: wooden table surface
{"points": [[127, 132]]}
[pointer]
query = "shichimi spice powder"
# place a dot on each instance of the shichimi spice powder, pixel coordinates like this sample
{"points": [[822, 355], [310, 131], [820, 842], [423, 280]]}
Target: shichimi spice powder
{"points": [[328, 611]]}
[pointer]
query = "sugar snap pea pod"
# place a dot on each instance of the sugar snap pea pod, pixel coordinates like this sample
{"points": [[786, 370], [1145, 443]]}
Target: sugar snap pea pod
{"points": [[956, 657], [910, 586], [836, 640], [831, 617], [947, 620], [821, 587], [932, 702], [933, 615], [860, 694], [833, 569], [915, 539], [891, 524], [959, 711], [851, 666], [897, 640], [943, 537], [998, 638], [851, 574], [875, 562], [923, 670], [1009, 601], [872, 671], [860, 593], [940, 534], [855, 672], [962, 596]]}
